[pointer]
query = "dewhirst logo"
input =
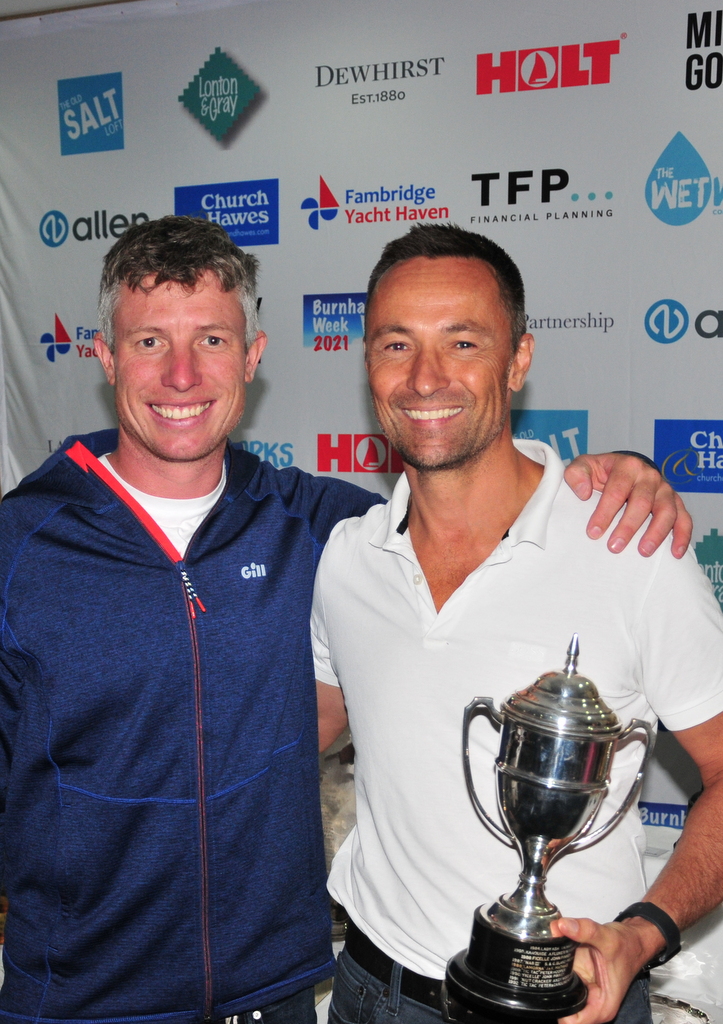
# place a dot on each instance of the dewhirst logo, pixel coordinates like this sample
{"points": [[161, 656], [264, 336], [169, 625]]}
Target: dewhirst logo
{"points": [[680, 186], [377, 76], [690, 454], [529, 188], [565, 430], [333, 322], [91, 113], [548, 67], [219, 93], [666, 321], [59, 342], [54, 227], [357, 453], [709, 553], [382, 204], [247, 210], [325, 206], [704, 70]]}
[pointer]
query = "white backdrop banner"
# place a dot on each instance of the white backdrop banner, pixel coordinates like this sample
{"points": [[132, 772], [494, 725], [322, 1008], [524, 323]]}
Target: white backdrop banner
{"points": [[585, 138]]}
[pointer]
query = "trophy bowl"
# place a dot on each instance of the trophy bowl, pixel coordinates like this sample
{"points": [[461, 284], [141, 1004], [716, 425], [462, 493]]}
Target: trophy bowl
{"points": [[557, 742]]}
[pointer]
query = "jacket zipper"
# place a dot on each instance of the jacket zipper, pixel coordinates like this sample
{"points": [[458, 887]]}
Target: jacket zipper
{"points": [[191, 595], [87, 461]]}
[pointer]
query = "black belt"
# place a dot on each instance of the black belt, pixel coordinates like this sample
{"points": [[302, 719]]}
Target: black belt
{"points": [[371, 959]]}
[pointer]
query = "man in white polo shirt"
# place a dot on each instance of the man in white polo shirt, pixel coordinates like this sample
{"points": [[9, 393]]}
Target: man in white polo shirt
{"points": [[472, 581]]}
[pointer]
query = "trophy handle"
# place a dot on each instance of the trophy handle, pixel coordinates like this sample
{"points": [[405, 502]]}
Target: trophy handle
{"points": [[636, 723], [487, 703]]}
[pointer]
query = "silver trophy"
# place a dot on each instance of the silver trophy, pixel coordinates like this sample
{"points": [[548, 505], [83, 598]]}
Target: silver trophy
{"points": [[552, 771]]}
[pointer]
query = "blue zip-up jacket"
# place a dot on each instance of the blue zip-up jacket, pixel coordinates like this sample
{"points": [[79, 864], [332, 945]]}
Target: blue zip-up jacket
{"points": [[158, 765]]}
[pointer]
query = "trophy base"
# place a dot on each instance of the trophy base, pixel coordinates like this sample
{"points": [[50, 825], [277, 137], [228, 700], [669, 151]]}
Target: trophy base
{"points": [[501, 977]]}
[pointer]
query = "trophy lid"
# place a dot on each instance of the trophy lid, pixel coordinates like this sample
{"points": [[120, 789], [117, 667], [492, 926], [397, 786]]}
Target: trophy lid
{"points": [[564, 703]]}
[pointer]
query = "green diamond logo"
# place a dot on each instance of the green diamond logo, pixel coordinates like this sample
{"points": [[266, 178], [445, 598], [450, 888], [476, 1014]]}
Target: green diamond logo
{"points": [[219, 93]]}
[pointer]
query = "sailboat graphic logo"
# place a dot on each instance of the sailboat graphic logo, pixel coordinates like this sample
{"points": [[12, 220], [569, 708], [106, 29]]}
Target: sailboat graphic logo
{"points": [[538, 69]]}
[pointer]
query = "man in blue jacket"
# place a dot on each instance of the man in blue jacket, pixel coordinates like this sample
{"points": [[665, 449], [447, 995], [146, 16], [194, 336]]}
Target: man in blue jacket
{"points": [[158, 732]]}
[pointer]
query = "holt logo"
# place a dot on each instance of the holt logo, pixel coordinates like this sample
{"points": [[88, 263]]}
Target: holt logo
{"points": [[357, 453], [59, 342], [326, 205], [550, 67]]}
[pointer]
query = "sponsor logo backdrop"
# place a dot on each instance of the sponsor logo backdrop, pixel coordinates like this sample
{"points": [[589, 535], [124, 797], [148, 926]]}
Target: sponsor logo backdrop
{"points": [[585, 139]]}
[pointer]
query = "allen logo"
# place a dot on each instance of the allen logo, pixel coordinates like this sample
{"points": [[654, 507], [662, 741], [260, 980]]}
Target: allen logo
{"points": [[357, 453], [550, 67]]}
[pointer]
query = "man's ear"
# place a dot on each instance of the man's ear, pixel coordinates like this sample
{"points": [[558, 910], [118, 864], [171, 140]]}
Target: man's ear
{"points": [[106, 357], [253, 355], [521, 362]]}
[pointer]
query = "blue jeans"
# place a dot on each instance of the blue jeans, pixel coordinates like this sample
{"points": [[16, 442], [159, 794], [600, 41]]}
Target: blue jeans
{"points": [[296, 1009], [360, 998]]}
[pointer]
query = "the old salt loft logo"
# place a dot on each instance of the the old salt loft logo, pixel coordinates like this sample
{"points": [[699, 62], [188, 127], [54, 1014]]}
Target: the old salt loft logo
{"points": [[709, 553], [680, 186], [219, 93], [247, 210], [549, 67], [91, 113], [690, 454], [565, 430], [333, 322]]}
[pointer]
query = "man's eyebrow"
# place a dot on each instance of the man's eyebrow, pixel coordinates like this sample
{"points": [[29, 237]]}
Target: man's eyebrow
{"points": [[152, 329], [463, 326]]}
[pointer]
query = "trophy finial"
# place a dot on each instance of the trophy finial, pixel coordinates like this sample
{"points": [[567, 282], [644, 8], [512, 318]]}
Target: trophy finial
{"points": [[573, 653]]}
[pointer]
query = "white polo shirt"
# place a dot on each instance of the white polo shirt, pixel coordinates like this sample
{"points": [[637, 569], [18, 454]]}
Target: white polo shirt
{"points": [[651, 635]]}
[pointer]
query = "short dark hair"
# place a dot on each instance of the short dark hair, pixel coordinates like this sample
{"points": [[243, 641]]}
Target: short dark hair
{"points": [[438, 240], [179, 249]]}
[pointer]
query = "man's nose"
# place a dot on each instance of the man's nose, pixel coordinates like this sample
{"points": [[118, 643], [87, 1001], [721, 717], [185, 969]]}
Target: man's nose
{"points": [[427, 373], [181, 369]]}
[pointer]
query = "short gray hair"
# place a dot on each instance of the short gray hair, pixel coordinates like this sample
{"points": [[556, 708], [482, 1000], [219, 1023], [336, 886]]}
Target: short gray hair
{"points": [[178, 249]]}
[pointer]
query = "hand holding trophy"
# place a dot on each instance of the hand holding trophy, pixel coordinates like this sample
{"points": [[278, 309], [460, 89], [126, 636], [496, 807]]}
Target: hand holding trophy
{"points": [[552, 772]]}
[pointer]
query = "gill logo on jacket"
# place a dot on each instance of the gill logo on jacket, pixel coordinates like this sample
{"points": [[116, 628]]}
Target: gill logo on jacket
{"points": [[253, 571]]}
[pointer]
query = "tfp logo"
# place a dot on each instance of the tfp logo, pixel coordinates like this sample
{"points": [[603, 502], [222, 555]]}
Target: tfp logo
{"points": [[565, 430], [679, 186], [357, 453], [550, 67], [541, 185], [690, 454], [91, 113], [667, 321], [59, 342], [333, 322], [326, 205], [100, 224], [709, 553], [247, 210]]}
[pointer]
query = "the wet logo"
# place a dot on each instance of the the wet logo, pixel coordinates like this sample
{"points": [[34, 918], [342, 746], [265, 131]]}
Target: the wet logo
{"points": [[679, 186]]}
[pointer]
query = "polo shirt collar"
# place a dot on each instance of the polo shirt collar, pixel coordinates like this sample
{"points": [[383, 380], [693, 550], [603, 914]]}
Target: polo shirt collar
{"points": [[530, 525]]}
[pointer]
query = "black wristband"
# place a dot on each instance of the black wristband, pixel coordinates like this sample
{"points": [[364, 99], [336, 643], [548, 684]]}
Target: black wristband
{"points": [[643, 458], [665, 925]]}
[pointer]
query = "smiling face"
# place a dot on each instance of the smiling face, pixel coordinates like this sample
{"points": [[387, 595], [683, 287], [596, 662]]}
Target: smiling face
{"points": [[180, 369], [440, 362]]}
